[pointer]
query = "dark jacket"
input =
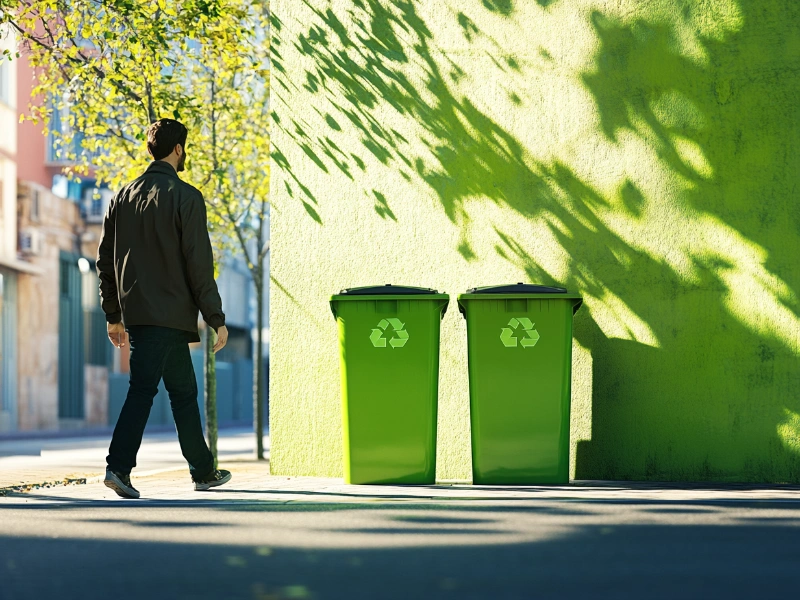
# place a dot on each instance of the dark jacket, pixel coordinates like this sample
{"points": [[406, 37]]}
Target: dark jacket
{"points": [[154, 260]]}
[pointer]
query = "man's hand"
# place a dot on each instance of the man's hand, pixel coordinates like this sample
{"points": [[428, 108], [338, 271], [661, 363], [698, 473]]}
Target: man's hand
{"points": [[222, 338], [117, 334]]}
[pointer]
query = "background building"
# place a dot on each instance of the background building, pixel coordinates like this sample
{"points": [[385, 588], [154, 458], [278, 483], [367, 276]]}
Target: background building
{"points": [[58, 370], [12, 268]]}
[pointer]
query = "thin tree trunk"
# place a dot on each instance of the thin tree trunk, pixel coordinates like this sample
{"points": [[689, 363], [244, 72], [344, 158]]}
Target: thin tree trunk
{"points": [[258, 371], [211, 336], [210, 395]]}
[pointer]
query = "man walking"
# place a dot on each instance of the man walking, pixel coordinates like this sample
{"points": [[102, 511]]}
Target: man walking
{"points": [[156, 270]]}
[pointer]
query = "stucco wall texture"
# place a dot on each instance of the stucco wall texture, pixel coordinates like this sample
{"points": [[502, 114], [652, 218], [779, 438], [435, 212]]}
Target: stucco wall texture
{"points": [[644, 154]]}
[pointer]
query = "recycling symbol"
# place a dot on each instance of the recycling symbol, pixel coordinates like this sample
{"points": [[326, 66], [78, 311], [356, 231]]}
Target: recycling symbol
{"points": [[531, 335], [400, 334]]}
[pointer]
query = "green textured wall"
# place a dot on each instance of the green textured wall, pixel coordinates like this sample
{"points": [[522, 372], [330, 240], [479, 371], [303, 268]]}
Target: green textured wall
{"points": [[642, 153]]}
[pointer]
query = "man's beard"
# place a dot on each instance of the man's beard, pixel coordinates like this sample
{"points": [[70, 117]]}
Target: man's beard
{"points": [[182, 162]]}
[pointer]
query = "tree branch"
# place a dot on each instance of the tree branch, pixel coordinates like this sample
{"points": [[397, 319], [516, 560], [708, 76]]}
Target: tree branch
{"points": [[83, 60]]}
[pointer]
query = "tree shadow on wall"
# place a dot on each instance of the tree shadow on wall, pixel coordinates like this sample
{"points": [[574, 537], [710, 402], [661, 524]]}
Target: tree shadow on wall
{"points": [[719, 397], [359, 68], [692, 394], [691, 310]]}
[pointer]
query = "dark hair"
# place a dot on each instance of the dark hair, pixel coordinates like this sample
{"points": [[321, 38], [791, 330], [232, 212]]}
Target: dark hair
{"points": [[164, 135]]}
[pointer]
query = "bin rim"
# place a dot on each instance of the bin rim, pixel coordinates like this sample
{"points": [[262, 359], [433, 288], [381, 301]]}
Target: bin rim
{"points": [[519, 288], [411, 297], [553, 296], [387, 289]]}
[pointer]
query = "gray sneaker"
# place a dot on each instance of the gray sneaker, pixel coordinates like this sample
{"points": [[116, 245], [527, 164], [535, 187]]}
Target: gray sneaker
{"points": [[213, 479], [121, 484]]}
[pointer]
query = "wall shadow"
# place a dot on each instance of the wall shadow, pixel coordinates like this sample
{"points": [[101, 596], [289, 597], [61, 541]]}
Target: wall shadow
{"points": [[691, 311]]}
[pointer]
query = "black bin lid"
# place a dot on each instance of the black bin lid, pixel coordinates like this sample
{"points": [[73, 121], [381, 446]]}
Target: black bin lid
{"points": [[520, 288], [388, 289]]}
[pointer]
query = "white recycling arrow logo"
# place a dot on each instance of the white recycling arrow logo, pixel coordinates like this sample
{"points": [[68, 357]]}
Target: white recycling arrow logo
{"points": [[399, 339], [510, 340]]}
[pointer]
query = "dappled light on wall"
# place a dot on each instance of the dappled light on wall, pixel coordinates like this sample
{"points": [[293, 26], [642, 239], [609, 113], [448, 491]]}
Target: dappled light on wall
{"points": [[641, 154]]}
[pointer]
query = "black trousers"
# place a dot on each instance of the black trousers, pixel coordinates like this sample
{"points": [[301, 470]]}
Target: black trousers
{"points": [[158, 352]]}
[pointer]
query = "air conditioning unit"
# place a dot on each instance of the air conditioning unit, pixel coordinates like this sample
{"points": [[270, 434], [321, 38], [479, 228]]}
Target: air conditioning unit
{"points": [[31, 242]]}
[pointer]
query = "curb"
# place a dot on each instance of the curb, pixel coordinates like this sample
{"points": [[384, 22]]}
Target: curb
{"points": [[28, 487]]}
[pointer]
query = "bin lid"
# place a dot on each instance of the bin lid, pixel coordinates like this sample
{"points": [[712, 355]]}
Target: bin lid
{"points": [[388, 290], [519, 288]]}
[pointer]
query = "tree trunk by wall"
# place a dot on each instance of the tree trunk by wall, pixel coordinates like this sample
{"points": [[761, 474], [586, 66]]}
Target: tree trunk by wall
{"points": [[258, 363], [210, 395]]}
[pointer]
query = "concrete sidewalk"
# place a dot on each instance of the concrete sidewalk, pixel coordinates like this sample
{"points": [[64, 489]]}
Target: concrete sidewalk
{"points": [[31, 463], [268, 537], [252, 483]]}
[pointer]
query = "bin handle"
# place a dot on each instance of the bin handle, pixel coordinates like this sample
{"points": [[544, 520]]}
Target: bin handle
{"points": [[575, 307], [441, 316]]}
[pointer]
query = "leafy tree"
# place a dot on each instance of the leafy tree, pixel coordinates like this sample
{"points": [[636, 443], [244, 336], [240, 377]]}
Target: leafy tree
{"points": [[112, 67]]}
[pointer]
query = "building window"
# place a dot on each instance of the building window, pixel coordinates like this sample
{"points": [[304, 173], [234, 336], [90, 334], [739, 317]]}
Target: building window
{"points": [[57, 153], [95, 202], [58, 120], [96, 209], [5, 81]]}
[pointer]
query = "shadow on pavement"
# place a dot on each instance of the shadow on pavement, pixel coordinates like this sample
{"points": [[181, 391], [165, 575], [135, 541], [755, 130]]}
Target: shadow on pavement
{"points": [[631, 561]]}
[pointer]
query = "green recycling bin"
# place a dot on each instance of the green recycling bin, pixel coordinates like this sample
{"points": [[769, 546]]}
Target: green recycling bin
{"points": [[389, 351], [519, 340]]}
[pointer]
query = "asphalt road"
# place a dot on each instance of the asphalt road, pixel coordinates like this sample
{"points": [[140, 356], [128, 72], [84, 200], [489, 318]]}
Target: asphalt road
{"points": [[279, 538]]}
